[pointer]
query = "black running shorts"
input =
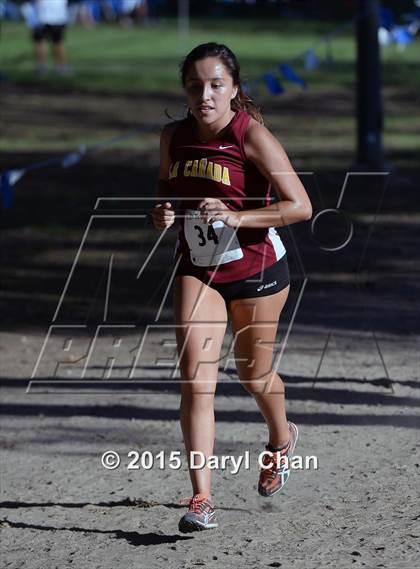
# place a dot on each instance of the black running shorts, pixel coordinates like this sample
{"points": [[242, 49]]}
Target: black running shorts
{"points": [[270, 281], [48, 31]]}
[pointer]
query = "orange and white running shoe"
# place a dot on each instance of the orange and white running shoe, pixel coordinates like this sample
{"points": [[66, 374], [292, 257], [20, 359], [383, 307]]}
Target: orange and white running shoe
{"points": [[200, 515], [277, 465]]}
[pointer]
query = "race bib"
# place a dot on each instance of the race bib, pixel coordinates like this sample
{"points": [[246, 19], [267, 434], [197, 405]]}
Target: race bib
{"points": [[210, 244]]}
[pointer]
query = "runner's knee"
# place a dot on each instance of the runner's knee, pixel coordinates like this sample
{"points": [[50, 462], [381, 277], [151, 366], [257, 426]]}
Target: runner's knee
{"points": [[200, 402], [256, 383]]}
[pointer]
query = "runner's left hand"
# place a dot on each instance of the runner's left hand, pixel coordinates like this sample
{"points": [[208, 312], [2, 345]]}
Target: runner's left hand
{"points": [[213, 209]]}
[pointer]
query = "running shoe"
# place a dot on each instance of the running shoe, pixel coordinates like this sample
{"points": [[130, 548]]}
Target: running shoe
{"points": [[200, 515], [273, 478]]}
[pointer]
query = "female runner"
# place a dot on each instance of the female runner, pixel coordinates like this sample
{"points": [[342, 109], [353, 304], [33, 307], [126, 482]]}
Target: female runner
{"points": [[221, 163]]}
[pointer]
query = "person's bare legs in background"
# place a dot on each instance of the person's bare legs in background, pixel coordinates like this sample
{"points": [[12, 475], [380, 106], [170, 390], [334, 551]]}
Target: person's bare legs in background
{"points": [[40, 47], [59, 55]]}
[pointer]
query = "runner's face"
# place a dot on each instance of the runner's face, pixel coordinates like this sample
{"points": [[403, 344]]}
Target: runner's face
{"points": [[209, 89]]}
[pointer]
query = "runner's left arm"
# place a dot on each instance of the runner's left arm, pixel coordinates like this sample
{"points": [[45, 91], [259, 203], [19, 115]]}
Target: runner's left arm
{"points": [[265, 151]]}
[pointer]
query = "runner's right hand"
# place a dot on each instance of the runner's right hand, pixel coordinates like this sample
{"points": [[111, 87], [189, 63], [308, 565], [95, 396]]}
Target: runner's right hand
{"points": [[163, 216]]}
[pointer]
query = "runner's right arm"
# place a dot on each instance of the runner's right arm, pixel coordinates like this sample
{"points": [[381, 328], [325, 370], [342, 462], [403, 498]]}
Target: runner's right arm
{"points": [[163, 215]]}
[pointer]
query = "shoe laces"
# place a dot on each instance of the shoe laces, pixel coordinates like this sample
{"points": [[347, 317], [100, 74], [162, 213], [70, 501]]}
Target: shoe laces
{"points": [[270, 472], [196, 503]]}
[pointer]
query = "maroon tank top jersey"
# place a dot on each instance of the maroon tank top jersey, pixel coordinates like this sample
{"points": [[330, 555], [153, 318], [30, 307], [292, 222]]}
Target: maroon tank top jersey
{"points": [[219, 169]]}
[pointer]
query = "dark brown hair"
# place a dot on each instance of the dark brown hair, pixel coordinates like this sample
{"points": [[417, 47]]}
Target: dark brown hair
{"points": [[241, 102]]}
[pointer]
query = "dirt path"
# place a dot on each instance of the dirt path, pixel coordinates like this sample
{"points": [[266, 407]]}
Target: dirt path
{"points": [[61, 508]]}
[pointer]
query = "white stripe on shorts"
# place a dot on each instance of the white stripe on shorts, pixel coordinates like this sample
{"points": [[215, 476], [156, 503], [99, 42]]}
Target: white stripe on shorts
{"points": [[279, 248]]}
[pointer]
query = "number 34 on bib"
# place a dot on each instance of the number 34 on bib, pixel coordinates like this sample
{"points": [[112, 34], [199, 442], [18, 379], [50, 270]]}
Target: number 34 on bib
{"points": [[210, 244]]}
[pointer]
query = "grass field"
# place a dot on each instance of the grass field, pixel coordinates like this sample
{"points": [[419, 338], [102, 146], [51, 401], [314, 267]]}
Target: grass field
{"points": [[132, 74], [109, 57]]}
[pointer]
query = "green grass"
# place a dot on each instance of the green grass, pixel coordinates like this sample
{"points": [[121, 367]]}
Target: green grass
{"points": [[114, 59]]}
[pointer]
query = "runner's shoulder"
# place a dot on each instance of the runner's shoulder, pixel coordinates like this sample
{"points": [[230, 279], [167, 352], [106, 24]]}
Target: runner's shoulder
{"points": [[258, 139], [255, 130]]}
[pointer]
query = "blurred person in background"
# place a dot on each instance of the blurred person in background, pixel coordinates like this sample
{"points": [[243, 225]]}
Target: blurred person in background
{"points": [[133, 11], [51, 24], [89, 13]]}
